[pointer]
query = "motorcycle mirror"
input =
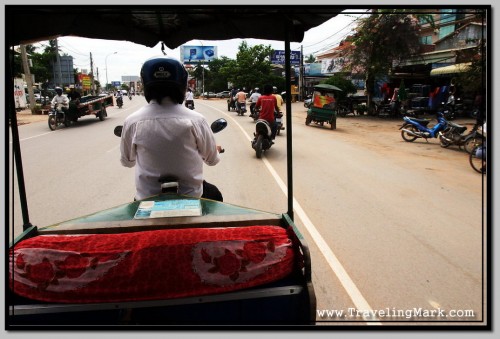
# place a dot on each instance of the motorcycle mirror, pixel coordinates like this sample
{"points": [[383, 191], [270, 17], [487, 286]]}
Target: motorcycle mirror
{"points": [[218, 125], [118, 131]]}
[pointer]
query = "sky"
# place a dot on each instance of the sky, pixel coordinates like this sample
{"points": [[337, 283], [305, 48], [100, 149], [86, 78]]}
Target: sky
{"points": [[129, 56]]}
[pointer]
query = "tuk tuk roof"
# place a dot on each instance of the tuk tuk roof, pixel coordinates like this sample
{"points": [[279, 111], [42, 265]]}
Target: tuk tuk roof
{"points": [[172, 25], [327, 87]]}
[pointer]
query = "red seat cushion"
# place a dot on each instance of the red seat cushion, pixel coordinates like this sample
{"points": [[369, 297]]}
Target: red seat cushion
{"points": [[149, 265]]}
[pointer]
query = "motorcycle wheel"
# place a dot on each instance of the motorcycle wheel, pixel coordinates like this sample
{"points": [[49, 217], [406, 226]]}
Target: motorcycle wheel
{"points": [[477, 163], [308, 120], [442, 141], [258, 146], [102, 114], [408, 137], [52, 123], [472, 143], [278, 129]]}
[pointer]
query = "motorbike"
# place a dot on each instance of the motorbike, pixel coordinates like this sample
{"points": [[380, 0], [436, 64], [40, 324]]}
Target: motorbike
{"points": [[241, 108], [477, 158], [130, 96], [189, 104], [414, 128], [453, 107], [119, 102], [308, 101], [279, 122], [262, 137], [453, 135], [57, 117], [231, 104]]}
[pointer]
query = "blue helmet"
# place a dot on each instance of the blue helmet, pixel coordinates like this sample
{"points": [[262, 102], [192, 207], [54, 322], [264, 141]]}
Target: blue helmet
{"points": [[164, 76]]}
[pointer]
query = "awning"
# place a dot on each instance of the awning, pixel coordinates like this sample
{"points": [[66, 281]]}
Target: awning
{"points": [[453, 69]]}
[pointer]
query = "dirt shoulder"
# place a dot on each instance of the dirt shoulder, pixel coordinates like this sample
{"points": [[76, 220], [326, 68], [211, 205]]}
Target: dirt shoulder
{"points": [[26, 117]]}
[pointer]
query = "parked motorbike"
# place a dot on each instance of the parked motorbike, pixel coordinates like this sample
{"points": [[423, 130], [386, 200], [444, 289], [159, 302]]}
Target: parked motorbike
{"points": [[262, 137], [477, 158], [119, 102], [308, 101], [453, 107], [241, 108], [453, 135], [57, 117], [414, 128]]}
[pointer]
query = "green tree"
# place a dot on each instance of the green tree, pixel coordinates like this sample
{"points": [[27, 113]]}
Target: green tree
{"points": [[385, 38], [219, 71], [253, 66], [311, 59]]}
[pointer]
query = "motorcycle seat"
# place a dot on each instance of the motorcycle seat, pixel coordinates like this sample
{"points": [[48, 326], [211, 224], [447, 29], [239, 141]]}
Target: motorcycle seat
{"points": [[423, 122], [262, 127], [460, 128]]}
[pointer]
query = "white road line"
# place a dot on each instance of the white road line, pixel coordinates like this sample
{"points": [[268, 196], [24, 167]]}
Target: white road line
{"points": [[114, 148], [344, 278], [35, 136]]}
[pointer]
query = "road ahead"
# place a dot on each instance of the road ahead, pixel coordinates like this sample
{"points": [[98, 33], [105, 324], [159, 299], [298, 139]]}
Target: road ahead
{"points": [[395, 229]]}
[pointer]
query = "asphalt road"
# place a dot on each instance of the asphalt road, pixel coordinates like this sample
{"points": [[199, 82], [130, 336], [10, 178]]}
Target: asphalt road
{"points": [[395, 229]]}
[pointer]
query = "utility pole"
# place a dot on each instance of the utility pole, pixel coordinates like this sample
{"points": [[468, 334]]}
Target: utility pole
{"points": [[301, 74], [92, 84], [29, 81], [59, 64], [97, 72]]}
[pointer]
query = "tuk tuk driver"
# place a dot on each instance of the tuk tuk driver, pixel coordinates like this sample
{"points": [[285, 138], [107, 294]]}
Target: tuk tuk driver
{"points": [[164, 138]]}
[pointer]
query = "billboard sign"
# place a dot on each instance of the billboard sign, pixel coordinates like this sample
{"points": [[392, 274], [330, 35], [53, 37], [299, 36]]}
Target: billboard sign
{"points": [[196, 54], [334, 65], [86, 81], [278, 57]]}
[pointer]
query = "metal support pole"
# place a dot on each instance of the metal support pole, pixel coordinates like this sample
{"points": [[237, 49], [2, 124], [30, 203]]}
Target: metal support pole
{"points": [[288, 104], [16, 148]]}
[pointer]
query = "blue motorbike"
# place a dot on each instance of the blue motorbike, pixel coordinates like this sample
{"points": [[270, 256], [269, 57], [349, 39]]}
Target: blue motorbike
{"points": [[414, 128]]}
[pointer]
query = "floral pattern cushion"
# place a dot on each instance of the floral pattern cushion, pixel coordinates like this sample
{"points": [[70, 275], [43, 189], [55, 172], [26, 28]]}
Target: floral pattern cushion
{"points": [[149, 265]]}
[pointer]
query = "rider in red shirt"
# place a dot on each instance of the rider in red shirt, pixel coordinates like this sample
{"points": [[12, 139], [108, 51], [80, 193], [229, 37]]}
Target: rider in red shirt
{"points": [[268, 104]]}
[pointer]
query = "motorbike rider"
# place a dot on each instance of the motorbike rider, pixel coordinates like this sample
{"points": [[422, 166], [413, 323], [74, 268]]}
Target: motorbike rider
{"points": [[240, 98], [74, 95], [232, 102], [119, 97], [61, 101], [268, 105], [74, 100], [164, 138], [253, 100], [189, 98], [278, 96]]}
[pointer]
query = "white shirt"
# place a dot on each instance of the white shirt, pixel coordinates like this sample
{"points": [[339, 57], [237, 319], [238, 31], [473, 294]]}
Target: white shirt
{"points": [[167, 139], [255, 96], [60, 99], [189, 95]]}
